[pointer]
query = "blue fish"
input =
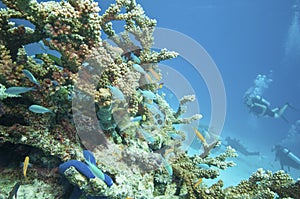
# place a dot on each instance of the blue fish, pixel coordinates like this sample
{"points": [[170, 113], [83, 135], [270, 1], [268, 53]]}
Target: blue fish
{"points": [[80, 166], [149, 138], [203, 166], [91, 162], [135, 58], [139, 69], [175, 136], [136, 119], [90, 170], [116, 93], [16, 90], [30, 76], [39, 109], [148, 94], [167, 166]]}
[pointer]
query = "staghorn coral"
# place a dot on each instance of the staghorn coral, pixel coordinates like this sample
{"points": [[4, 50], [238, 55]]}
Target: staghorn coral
{"points": [[186, 169], [265, 184]]}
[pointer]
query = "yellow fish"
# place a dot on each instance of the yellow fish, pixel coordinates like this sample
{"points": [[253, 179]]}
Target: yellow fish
{"points": [[160, 85], [154, 74], [198, 183], [200, 136], [25, 165]]}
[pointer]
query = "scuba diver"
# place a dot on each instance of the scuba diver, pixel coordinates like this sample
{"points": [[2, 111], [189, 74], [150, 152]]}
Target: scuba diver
{"points": [[235, 143], [286, 157], [261, 107]]}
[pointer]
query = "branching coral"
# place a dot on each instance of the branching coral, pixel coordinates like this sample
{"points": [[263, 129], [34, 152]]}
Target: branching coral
{"points": [[188, 171], [265, 184]]}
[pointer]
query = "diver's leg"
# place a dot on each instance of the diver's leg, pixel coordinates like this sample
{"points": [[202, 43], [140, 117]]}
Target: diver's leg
{"points": [[279, 111]]}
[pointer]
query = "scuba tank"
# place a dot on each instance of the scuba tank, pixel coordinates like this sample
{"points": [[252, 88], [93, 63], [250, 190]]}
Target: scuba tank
{"points": [[291, 155]]}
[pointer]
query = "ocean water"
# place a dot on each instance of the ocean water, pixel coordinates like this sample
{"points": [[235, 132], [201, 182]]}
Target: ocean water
{"points": [[240, 40]]}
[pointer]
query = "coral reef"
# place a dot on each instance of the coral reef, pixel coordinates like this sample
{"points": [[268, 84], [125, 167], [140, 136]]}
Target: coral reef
{"points": [[99, 95], [265, 184]]}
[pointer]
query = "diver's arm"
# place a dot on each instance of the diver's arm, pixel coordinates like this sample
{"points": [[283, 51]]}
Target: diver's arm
{"points": [[264, 108]]}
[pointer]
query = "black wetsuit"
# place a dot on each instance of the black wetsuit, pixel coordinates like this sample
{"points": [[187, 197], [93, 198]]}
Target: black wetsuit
{"points": [[258, 110]]}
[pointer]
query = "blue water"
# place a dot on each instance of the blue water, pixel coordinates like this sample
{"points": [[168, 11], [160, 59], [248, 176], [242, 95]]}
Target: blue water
{"points": [[244, 38]]}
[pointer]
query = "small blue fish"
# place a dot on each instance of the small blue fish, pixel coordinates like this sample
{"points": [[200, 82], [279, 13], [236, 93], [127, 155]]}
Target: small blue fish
{"points": [[136, 119], [116, 93], [39, 109], [80, 166], [167, 166], [91, 162], [135, 58], [17, 90], [139, 69], [149, 138], [30, 76], [175, 136], [203, 166], [148, 94]]}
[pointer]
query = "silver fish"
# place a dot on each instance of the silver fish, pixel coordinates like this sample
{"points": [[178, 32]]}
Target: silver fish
{"points": [[39, 109], [16, 90], [30, 76]]}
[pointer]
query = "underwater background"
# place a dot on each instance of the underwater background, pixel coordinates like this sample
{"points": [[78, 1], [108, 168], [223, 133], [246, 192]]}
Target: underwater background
{"points": [[244, 39]]}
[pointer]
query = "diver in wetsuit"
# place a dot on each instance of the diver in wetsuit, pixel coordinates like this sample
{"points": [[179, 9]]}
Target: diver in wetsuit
{"points": [[261, 107], [286, 157], [235, 143]]}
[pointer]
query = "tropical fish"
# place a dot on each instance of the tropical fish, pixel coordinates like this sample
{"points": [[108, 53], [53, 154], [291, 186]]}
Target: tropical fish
{"points": [[39, 109], [167, 166], [203, 166], [116, 93], [139, 69], [175, 136], [135, 58], [148, 137], [30, 76], [136, 119], [16, 90], [91, 162], [198, 183], [148, 94], [55, 59], [154, 74], [168, 152], [160, 85], [200, 136], [25, 166]]}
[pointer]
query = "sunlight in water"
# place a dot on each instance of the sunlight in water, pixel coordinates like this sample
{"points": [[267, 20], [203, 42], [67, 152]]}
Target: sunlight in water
{"points": [[292, 45]]}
